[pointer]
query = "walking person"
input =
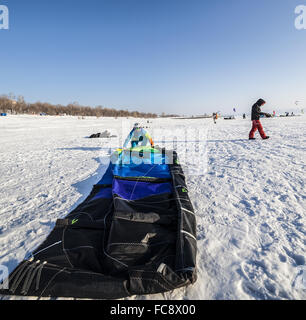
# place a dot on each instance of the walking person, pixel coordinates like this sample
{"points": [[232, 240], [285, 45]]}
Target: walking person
{"points": [[215, 117], [256, 124]]}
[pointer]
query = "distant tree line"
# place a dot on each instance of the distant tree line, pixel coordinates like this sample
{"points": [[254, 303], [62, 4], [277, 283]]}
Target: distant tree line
{"points": [[164, 115], [13, 105]]}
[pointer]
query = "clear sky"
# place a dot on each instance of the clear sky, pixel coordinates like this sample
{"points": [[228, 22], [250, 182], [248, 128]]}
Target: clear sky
{"points": [[172, 56]]}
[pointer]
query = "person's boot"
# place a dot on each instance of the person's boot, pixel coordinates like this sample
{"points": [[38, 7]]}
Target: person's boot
{"points": [[267, 137], [252, 138]]}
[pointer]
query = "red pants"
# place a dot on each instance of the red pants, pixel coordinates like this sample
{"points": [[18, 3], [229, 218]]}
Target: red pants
{"points": [[257, 126]]}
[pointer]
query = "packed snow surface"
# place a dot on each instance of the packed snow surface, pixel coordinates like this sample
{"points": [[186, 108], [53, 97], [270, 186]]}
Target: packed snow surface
{"points": [[248, 196]]}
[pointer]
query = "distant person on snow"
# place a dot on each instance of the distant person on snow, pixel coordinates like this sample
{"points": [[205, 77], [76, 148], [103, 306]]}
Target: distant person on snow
{"points": [[215, 117], [256, 113], [138, 136]]}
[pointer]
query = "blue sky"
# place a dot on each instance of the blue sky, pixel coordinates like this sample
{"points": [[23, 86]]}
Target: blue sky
{"points": [[172, 56]]}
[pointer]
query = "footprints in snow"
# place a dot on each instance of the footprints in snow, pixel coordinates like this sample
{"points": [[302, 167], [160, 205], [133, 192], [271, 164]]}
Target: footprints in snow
{"points": [[248, 206], [299, 260], [200, 232], [258, 281]]}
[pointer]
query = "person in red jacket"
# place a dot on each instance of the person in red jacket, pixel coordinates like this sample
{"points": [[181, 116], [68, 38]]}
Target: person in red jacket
{"points": [[256, 113]]}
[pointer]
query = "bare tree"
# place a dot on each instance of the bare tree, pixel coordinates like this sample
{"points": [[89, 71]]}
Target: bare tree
{"points": [[20, 106]]}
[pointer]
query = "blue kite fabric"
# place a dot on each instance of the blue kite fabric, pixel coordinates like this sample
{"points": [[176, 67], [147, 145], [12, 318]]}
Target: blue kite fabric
{"points": [[135, 234]]}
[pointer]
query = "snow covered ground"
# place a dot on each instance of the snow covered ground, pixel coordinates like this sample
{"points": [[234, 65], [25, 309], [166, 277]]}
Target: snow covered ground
{"points": [[249, 196]]}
